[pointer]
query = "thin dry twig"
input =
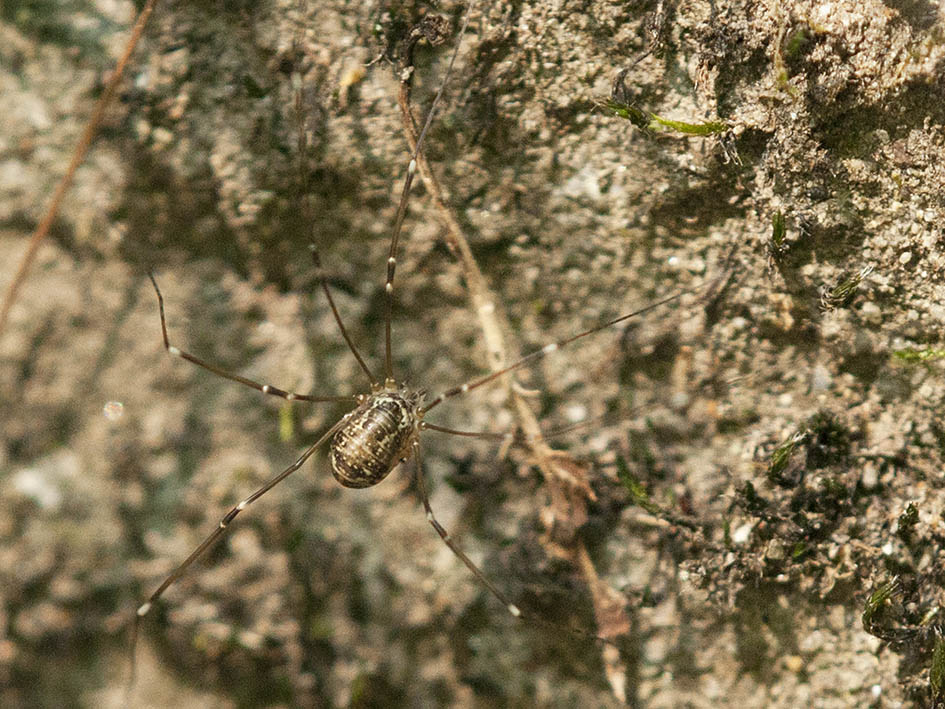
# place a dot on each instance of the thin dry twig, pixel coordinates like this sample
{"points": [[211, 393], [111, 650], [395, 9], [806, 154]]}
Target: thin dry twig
{"points": [[566, 479], [78, 155], [494, 322]]}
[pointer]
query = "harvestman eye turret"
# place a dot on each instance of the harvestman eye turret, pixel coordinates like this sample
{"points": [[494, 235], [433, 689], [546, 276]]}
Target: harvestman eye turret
{"points": [[384, 428]]}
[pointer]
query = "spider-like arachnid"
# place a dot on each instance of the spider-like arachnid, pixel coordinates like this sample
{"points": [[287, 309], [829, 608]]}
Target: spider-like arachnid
{"points": [[323, 593], [383, 430]]}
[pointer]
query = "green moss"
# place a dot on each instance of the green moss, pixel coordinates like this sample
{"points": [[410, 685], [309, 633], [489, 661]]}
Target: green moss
{"points": [[876, 603], [907, 522], [842, 294], [796, 44], [781, 456], [913, 355], [937, 671], [638, 493], [650, 122], [640, 497]]}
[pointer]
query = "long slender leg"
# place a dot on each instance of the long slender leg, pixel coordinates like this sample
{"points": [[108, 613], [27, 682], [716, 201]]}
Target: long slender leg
{"points": [[264, 388], [548, 349], [484, 435], [320, 273], [218, 532], [545, 435], [404, 199], [448, 540], [478, 573], [304, 189]]}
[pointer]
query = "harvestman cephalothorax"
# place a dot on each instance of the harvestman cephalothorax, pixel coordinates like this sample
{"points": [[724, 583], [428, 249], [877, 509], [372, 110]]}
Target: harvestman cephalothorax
{"points": [[384, 428]]}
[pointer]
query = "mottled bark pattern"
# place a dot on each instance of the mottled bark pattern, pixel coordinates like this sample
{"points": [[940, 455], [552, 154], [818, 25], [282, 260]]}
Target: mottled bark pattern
{"points": [[374, 439]]}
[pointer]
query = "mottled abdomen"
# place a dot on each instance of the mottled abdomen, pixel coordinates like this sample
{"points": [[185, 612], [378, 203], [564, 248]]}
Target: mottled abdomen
{"points": [[375, 437]]}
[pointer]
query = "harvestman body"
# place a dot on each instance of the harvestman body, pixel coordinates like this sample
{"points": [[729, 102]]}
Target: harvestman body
{"points": [[375, 437], [384, 429]]}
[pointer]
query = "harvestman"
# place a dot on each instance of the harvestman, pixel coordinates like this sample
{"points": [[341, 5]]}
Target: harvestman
{"points": [[384, 429]]}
